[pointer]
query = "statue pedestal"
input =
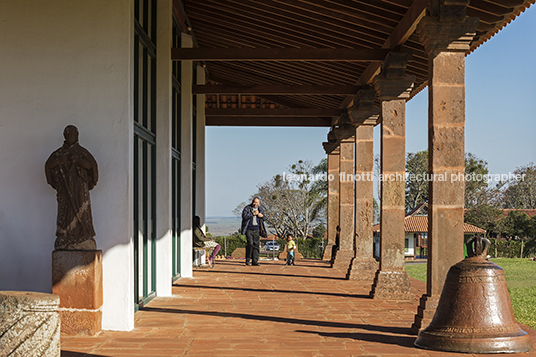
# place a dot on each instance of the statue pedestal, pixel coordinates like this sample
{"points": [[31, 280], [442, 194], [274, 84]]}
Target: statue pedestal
{"points": [[77, 280]]}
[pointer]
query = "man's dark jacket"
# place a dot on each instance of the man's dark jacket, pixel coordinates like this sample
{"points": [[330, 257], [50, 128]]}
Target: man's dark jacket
{"points": [[247, 216]]}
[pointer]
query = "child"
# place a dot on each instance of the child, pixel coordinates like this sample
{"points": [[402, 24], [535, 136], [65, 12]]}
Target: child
{"points": [[291, 247]]}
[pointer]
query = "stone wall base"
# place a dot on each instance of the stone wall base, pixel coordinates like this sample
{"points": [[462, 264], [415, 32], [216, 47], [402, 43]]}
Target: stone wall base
{"points": [[327, 251], [343, 258], [77, 280], [425, 313], [363, 269], [239, 253], [391, 285]]}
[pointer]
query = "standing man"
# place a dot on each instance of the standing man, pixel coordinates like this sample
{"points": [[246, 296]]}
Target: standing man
{"points": [[252, 224]]}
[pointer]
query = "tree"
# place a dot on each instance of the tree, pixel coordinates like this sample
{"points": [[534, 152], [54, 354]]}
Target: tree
{"points": [[375, 211], [417, 182], [532, 231], [476, 170], [238, 209], [292, 203], [487, 217], [320, 187], [517, 224], [521, 194], [319, 231]]}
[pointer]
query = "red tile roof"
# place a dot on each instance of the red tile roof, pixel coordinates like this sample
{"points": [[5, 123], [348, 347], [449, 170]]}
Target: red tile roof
{"points": [[419, 224]]}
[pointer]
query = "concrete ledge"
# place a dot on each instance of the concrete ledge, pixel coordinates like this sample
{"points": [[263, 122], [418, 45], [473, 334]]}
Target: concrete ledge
{"points": [[29, 324]]}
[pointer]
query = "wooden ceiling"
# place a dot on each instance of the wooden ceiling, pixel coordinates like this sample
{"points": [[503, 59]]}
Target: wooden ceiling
{"points": [[300, 62]]}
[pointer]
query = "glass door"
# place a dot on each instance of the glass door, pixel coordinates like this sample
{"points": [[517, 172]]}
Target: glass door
{"points": [[144, 152], [176, 158]]}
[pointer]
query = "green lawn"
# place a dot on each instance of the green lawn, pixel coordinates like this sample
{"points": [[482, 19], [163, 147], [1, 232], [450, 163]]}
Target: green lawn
{"points": [[520, 278]]}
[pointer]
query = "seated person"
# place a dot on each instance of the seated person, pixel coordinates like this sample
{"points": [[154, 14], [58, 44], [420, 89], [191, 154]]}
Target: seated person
{"points": [[202, 241]]}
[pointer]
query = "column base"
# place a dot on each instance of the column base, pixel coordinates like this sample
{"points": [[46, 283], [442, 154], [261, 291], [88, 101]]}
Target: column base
{"points": [[77, 280], [362, 269], [391, 285], [425, 313], [327, 251], [343, 258], [80, 322]]}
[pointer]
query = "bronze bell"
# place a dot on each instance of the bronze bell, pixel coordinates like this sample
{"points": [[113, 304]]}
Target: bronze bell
{"points": [[474, 313]]}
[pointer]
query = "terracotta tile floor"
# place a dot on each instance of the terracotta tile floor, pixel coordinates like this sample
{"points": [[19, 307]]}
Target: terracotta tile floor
{"points": [[271, 310]]}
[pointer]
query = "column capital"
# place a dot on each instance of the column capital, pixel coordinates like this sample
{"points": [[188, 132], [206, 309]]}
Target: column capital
{"points": [[344, 132], [331, 148], [363, 112], [390, 89], [362, 117], [452, 36], [393, 83]]}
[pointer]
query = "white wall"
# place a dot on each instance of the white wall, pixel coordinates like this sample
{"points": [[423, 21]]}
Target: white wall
{"points": [[186, 163], [411, 245], [66, 62], [200, 195], [163, 149]]}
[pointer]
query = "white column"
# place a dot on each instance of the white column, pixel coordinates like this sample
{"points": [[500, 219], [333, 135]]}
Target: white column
{"points": [[200, 195], [163, 149], [186, 162]]}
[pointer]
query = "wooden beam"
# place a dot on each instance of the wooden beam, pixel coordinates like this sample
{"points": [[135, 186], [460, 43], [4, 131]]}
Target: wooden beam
{"points": [[278, 54], [400, 34], [267, 112], [271, 98], [268, 121], [329, 27], [276, 90], [178, 12]]}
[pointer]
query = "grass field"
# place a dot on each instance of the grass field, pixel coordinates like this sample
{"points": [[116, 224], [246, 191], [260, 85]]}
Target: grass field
{"points": [[520, 278]]}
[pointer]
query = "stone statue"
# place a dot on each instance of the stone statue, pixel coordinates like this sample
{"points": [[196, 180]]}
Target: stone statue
{"points": [[72, 172]]}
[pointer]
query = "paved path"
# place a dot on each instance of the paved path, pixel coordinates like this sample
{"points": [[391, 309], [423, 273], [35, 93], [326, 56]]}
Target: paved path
{"points": [[272, 310]]}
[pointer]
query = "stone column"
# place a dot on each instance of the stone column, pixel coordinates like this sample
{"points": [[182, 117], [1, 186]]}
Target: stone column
{"points": [[365, 116], [333, 200], [364, 266], [29, 324], [446, 39], [393, 87], [345, 253]]}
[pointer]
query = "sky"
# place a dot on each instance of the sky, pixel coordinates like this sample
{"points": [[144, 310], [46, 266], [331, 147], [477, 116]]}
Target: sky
{"points": [[500, 124]]}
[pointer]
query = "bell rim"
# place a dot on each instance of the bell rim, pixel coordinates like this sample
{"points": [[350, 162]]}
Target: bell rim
{"points": [[512, 343]]}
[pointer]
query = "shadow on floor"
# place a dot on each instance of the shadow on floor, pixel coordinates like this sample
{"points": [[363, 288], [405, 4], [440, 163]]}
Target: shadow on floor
{"points": [[404, 341], [288, 320], [301, 263], [79, 354], [273, 291], [271, 274]]}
